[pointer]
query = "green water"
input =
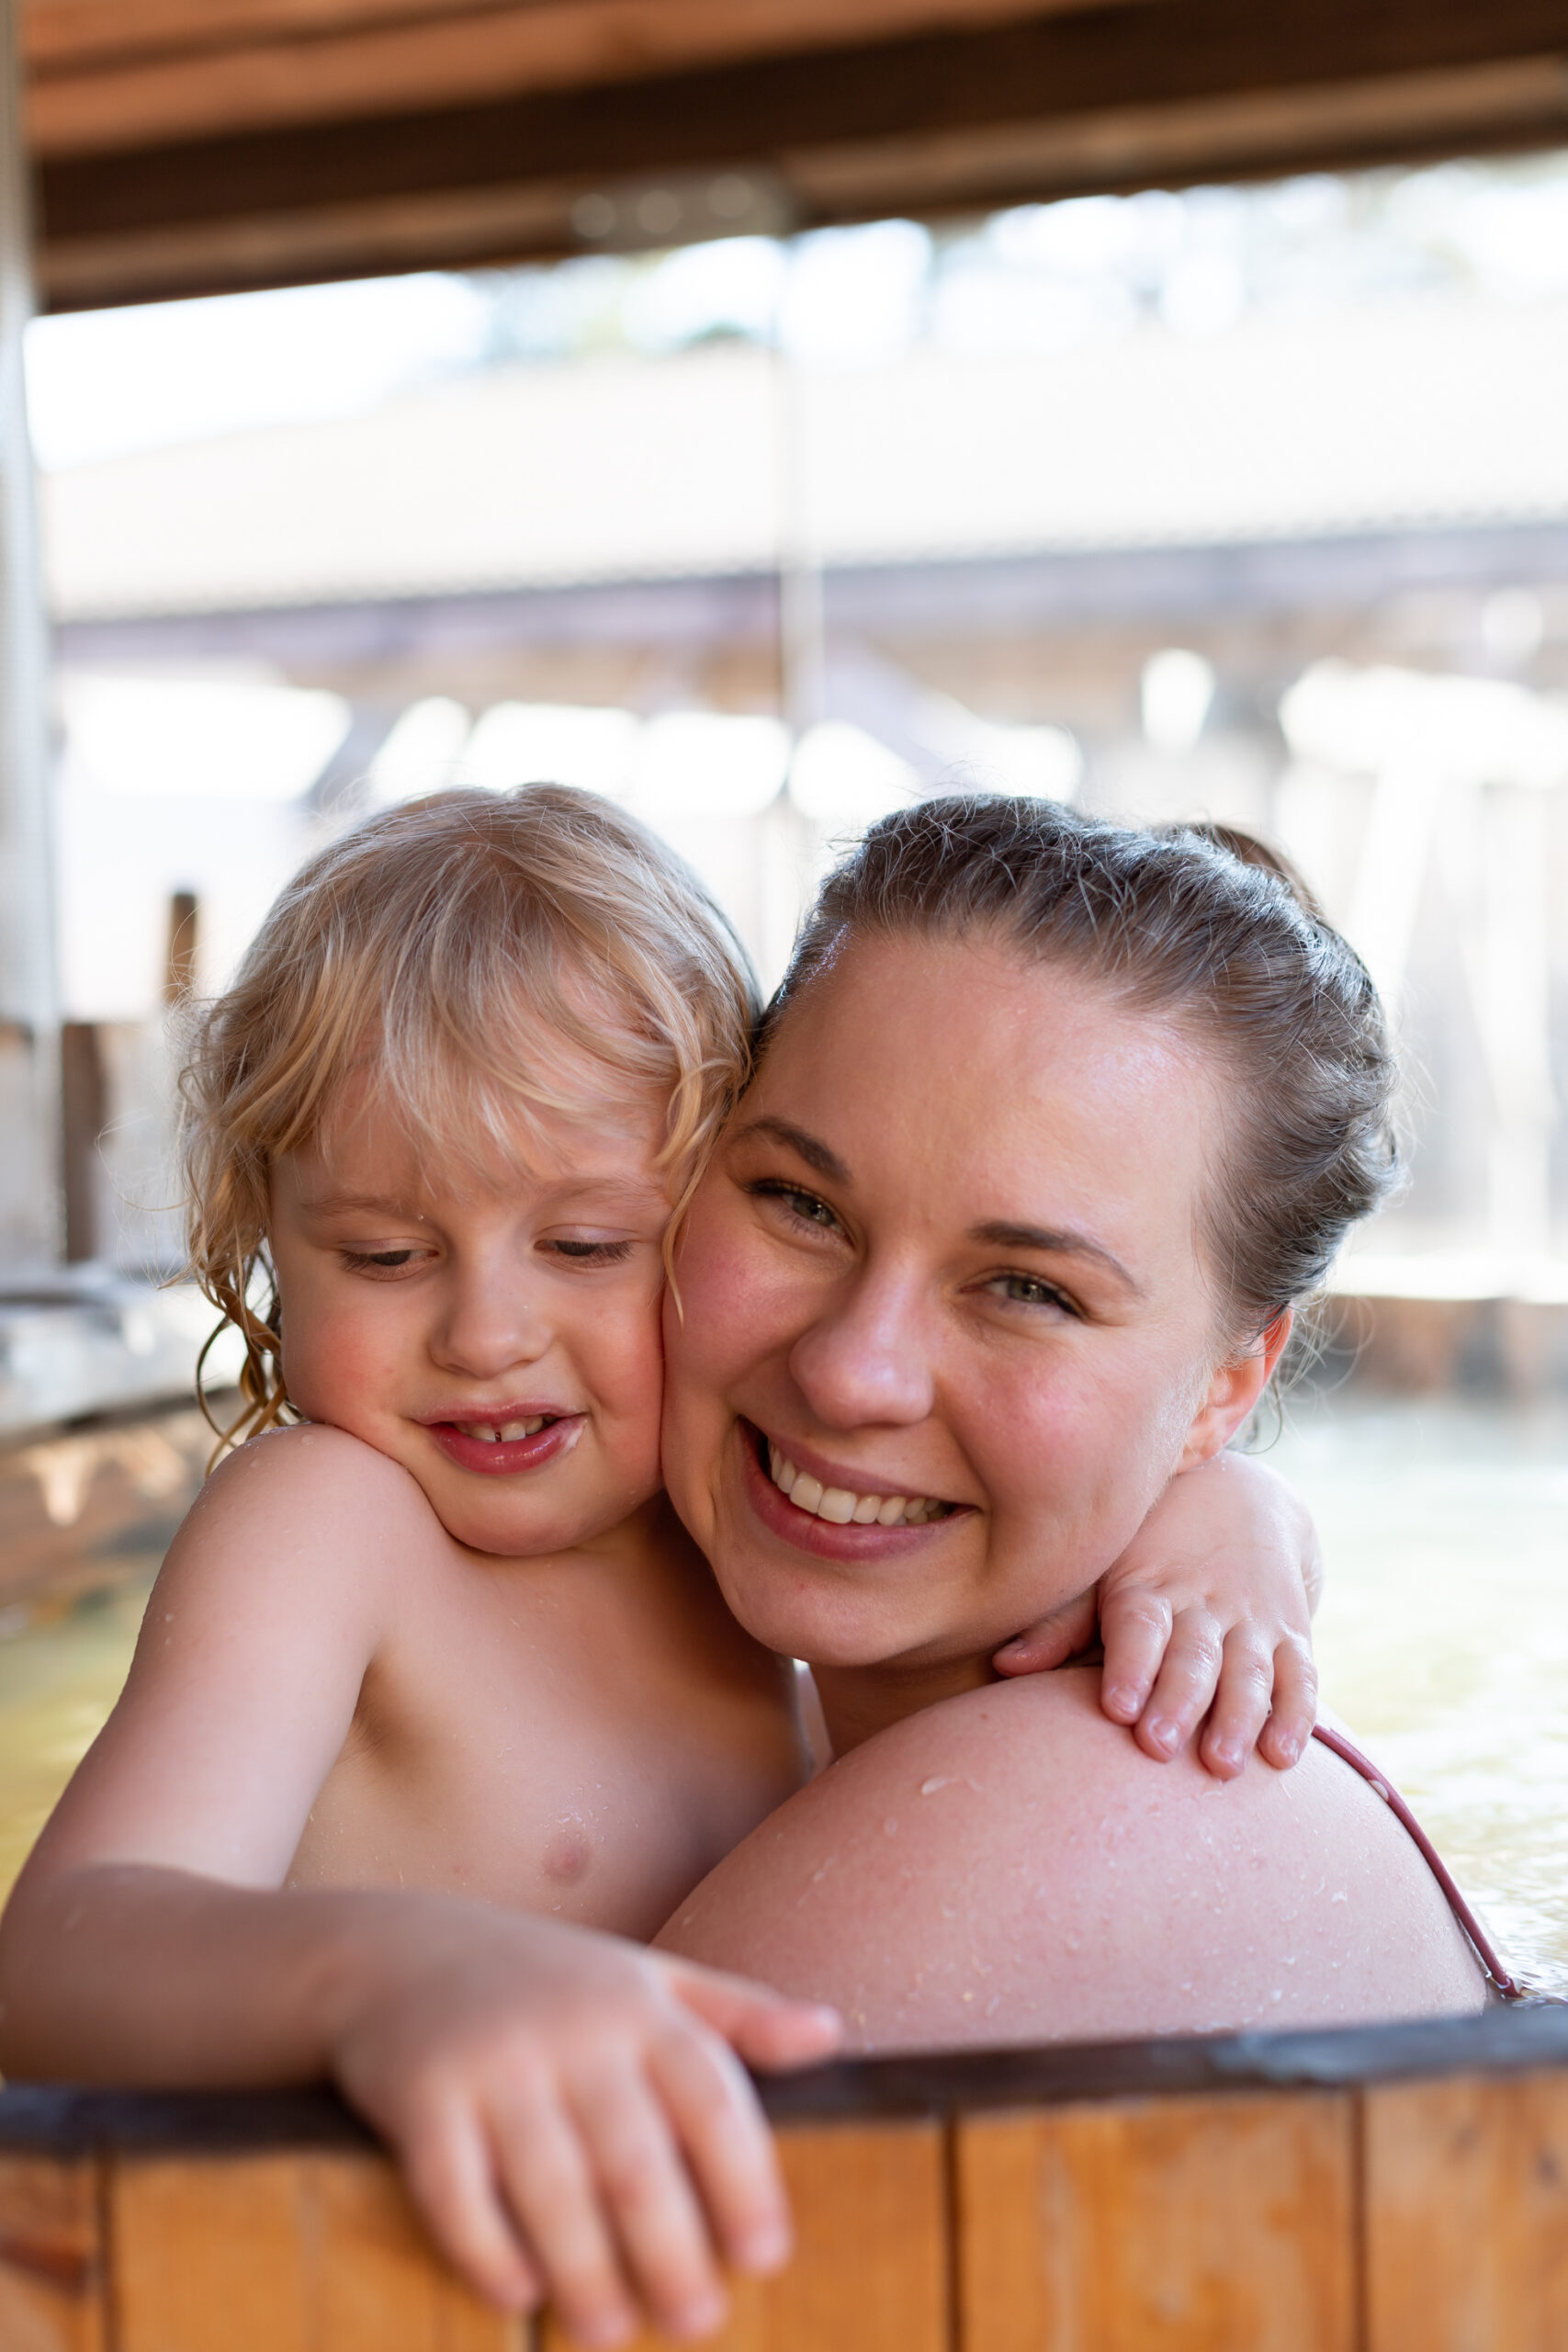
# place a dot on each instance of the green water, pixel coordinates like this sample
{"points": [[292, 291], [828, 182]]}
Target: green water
{"points": [[1443, 1635], [1443, 1640], [60, 1674]]}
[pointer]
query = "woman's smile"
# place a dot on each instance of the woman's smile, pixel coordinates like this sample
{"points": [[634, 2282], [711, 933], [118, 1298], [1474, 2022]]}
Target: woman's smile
{"points": [[811, 1502]]}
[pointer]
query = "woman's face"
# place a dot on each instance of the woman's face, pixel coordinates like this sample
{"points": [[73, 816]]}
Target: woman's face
{"points": [[944, 1268]]}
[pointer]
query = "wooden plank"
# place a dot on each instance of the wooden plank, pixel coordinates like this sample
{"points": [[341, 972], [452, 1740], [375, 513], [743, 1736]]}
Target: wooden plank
{"points": [[1046, 68], [446, 56], [282, 2252], [51, 2267], [1210, 2225], [1467, 2215], [870, 2267]]}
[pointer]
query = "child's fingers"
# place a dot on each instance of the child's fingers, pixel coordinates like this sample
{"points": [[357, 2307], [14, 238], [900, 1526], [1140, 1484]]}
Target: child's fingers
{"points": [[1241, 1706], [1135, 1627], [767, 2027], [1183, 1687], [1052, 1640], [651, 2204], [450, 2178], [728, 2147], [550, 2187], [1284, 1737]]}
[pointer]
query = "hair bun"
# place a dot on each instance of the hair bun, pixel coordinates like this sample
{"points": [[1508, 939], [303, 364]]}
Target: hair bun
{"points": [[1247, 850]]}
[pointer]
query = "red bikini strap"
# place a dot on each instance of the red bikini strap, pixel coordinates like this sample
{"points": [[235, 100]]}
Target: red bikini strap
{"points": [[1351, 1755]]}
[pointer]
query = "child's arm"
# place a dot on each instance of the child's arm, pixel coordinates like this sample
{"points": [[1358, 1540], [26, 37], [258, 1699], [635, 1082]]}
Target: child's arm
{"points": [[1209, 1609], [568, 2108]]}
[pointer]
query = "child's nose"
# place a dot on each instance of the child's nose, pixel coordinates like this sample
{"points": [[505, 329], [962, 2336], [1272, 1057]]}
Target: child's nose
{"points": [[489, 1327]]}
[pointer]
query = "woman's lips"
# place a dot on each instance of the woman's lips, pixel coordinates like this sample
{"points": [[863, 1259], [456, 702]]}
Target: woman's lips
{"points": [[826, 1538], [504, 1457]]}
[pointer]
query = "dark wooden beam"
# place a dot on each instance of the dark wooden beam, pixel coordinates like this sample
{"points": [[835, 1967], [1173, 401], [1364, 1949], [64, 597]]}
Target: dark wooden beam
{"points": [[497, 178], [40, 2120]]}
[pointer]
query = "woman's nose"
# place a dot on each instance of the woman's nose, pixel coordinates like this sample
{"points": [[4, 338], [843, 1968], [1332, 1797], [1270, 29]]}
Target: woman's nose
{"points": [[488, 1325], [866, 1362]]}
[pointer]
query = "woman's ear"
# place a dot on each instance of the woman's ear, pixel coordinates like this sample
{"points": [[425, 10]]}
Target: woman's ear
{"points": [[1231, 1394]]}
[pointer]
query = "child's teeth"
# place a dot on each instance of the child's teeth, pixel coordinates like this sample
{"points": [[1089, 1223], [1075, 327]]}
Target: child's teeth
{"points": [[840, 1506]]}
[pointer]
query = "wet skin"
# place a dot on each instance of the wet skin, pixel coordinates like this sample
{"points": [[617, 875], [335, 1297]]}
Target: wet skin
{"points": [[949, 1250]]}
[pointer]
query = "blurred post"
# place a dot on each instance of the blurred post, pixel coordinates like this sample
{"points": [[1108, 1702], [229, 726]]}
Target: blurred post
{"points": [[29, 1001]]}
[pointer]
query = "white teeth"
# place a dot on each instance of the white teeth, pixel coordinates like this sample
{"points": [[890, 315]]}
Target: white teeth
{"points": [[506, 1433], [840, 1507]]}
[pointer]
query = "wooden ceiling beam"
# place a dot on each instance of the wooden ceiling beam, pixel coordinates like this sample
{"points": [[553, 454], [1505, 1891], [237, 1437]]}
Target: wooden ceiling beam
{"points": [[161, 70], [1128, 95]]}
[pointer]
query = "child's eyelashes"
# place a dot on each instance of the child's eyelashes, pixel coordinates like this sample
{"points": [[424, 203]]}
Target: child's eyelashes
{"points": [[590, 1253], [380, 1262]]}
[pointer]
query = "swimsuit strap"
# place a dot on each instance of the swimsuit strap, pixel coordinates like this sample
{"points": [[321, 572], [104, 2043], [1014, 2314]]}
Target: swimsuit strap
{"points": [[1350, 1753]]}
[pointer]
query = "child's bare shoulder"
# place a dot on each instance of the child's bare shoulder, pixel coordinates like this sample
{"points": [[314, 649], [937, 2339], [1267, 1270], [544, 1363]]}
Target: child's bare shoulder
{"points": [[294, 1502], [315, 1463]]}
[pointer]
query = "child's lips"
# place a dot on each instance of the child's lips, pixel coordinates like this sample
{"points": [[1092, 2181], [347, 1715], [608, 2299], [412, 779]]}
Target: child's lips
{"points": [[501, 1457]]}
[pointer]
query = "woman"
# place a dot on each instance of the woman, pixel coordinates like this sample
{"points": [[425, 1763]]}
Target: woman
{"points": [[920, 1321]]}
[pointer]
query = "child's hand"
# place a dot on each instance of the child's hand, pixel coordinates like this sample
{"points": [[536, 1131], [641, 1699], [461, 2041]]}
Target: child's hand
{"points": [[572, 2116], [1209, 1609]]}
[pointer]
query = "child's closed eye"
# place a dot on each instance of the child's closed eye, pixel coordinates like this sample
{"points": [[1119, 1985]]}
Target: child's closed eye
{"points": [[590, 1252], [381, 1262]]}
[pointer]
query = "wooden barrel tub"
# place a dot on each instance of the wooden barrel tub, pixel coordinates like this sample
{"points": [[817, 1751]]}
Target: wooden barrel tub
{"points": [[1397, 2188]]}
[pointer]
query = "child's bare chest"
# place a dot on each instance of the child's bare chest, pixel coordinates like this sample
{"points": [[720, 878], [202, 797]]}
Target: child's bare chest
{"points": [[539, 1746]]}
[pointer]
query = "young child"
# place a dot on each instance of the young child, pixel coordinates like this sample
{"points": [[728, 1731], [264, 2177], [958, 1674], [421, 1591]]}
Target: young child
{"points": [[436, 1707]]}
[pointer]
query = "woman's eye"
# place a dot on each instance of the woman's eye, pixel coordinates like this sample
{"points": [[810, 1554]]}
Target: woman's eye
{"points": [[1030, 1290], [799, 1203], [592, 1253]]}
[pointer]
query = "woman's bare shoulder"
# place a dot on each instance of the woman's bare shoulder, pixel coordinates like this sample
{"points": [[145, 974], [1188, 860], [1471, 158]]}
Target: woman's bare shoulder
{"points": [[1010, 1866]]}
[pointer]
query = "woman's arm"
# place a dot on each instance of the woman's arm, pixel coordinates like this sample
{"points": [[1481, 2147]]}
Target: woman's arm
{"points": [[1009, 1867]]}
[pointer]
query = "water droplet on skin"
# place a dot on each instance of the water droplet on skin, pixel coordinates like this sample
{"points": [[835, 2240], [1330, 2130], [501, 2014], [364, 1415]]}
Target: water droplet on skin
{"points": [[929, 1787]]}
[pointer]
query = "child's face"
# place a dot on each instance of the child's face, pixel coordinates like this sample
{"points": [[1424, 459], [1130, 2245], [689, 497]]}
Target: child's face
{"points": [[496, 1332]]}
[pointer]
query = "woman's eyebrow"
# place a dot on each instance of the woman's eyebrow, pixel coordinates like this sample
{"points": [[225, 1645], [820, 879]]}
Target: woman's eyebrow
{"points": [[1057, 1242], [805, 1147]]}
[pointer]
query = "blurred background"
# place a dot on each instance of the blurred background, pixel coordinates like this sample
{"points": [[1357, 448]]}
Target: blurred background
{"points": [[768, 417]]}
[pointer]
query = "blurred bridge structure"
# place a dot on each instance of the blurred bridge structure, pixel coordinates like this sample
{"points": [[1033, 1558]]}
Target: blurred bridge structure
{"points": [[1114, 572]]}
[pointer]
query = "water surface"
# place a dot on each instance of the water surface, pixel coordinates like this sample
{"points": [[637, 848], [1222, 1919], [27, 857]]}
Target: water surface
{"points": [[1443, 1640]]}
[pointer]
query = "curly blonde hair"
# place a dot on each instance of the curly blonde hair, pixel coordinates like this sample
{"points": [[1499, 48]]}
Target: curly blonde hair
{"points": [[437, 945]]}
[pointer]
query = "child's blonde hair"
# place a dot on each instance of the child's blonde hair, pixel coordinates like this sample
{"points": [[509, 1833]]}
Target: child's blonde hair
{"points": [[438, 945]]}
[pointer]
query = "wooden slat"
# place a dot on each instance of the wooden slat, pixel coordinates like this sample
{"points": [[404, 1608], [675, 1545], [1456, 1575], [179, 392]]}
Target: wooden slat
{"points": [[284, 2252], [1467, 2215], [52, 2275], [870, 2267], [1047, 69], [1216, 2225], [78, 104]]}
